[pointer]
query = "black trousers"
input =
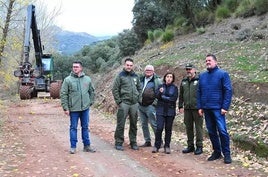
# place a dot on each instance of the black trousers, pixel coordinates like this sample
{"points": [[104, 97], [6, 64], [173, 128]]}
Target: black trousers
{"points": [[167, 123]]}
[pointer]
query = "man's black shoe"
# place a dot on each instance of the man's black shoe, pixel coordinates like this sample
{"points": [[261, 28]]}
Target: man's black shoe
{"points": [[188, 150], [134, 147], [146, 144], [167, 150], [198, 151], [227, 159], [119, 147], [89, 149], [214, 156], [155, 150]]}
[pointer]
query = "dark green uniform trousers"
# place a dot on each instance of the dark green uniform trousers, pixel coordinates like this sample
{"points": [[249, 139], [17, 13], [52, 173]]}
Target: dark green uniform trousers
{"points": [[126, 111], [191, 120]]}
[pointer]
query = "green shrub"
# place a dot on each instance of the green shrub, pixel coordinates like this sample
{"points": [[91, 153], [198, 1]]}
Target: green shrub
{"points": [[169, 27], [179, 21], [158, 34], [148, 41], [150, 36], [168, 35], [231, 4], [188, 29], [245, 9], [222, 12], [204, 18], [200, 30], [261, 7], [253, 145]]}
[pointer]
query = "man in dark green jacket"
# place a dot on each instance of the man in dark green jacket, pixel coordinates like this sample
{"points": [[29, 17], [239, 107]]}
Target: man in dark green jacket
{"points": [[126, 90], [77, 95], [188, 105]]}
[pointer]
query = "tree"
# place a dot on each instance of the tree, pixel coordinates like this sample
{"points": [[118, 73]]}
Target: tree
{"points": [[184, 8], [128, 43], [213, 4], [5, 28], [147, 15], [46, 23], [62, 66], [14, 13], [104, 53]]}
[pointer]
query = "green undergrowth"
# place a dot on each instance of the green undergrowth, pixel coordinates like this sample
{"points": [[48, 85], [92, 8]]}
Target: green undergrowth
{"points": [[245, 61], [253, 145]]}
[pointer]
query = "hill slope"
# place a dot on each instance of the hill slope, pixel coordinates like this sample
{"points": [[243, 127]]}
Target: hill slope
{"points": [[245, 59], [71, 42], [241, 48]]}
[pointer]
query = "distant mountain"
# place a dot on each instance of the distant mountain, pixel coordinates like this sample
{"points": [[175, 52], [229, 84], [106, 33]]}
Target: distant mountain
{"points": [[69, 42]]}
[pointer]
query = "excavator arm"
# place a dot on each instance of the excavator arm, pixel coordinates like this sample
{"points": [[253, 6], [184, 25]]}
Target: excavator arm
{"points": [[31, 26]]}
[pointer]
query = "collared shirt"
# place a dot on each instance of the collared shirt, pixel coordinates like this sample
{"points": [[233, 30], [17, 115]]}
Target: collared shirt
{"points": [[146, 80]]}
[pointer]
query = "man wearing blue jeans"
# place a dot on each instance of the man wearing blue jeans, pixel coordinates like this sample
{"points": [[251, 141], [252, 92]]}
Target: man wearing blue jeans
{"points": [[147, 102], [214, 97], [77, 95]]}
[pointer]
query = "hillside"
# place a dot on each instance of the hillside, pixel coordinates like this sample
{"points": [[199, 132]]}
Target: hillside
{"points": [[69, 42], [221, 39], [241, 48]]}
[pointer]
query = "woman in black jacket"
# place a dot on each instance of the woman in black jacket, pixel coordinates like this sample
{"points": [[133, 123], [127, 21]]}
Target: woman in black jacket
{"points": [[167, 95]]}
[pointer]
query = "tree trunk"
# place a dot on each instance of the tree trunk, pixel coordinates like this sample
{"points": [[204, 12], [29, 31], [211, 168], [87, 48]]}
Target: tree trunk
{"points": [[189, 13], [5, 29], [215, 3]]}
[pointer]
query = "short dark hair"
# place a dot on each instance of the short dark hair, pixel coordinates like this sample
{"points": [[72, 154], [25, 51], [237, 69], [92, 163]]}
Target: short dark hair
{"points": [[173, 75], [213, 56], [78, 62], [129, 59]]}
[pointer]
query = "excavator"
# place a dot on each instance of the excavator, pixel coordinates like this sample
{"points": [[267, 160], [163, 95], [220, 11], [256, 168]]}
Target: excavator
{"points": [[39, 77]]}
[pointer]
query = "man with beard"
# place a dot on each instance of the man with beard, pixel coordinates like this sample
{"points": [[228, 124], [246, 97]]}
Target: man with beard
{"points": [[188, 106]]}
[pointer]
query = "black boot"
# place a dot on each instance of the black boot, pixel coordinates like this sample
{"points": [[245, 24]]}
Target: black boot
{"points": [[199, 150], [227, 159], [215, 156], [146, 144], [188, 150]]}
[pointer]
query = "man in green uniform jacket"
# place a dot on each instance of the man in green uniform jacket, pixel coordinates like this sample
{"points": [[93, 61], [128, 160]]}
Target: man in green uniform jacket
{"points": [[188, 105], [126, 90]]}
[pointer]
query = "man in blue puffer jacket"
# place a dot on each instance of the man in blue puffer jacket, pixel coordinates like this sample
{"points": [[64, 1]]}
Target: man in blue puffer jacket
{"points": [[214, 97]]}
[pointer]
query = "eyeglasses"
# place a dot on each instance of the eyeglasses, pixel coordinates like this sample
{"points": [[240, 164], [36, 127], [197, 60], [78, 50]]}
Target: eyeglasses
{"points": [[187, 69]]}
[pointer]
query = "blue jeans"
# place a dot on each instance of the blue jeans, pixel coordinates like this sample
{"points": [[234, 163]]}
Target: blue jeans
{"points": [[217, 130], [84, 120], [147, 116]]}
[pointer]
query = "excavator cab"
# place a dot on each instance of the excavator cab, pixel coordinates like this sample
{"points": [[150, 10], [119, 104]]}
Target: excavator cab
{"points": [[48, 64]]}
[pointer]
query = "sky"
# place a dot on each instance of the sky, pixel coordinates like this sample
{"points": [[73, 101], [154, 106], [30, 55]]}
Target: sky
{"points": [[95, 17]]}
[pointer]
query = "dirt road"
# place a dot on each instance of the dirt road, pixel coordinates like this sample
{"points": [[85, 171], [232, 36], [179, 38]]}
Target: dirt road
{"points": [[34, 141]]}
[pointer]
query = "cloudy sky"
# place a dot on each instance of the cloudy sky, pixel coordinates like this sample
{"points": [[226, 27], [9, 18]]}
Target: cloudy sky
{"points": [[96, 17]]}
